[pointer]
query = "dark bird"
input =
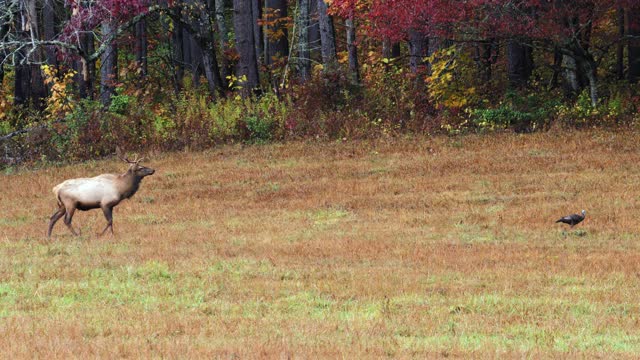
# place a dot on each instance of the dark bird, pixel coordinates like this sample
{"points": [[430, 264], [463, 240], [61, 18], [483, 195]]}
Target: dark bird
{"points": [[573, 219]]}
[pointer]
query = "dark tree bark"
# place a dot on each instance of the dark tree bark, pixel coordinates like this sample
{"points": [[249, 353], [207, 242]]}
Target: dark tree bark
{"points": [[580, 67], [557, 68], [573, 83], [212, 71], [223, 37], [90, 66], [109, 69], [418, 47], [178, 51], [187, 58], [256, 13], [247, 69], [519, 63], [85, 69], [314, 31], [620, 45], [197, 64], [486, 56], [29, 82], [4, 30], [327, 38], [390, 50], [21, 93], [215, 82], [141, 47], [277, 42], [49, 23], [352, 51], [304, 57], [21, 69], [633, 16]]}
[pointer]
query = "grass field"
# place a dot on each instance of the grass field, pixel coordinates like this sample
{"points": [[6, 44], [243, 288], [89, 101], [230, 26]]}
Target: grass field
{"points": [[420, 247]]}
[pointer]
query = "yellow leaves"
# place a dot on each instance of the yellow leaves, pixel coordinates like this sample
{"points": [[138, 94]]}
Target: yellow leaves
{"points": [[236, 82], [343, 57], [450, 78], [60, 101], [4, 108], [317, 69]]}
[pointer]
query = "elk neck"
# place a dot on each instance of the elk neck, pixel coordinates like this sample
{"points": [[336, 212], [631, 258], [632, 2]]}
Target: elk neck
{"points": [[128, 184]]}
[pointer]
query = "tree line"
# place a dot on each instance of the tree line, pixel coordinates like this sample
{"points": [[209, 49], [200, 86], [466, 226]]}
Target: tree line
{"points": [[257, 46]]}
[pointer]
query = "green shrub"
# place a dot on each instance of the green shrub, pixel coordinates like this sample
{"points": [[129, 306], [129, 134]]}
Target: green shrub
{"points": [[521, 112], [5, 127], [614, 110], [163, 126], [120, 103], [260, 129], [224, 117], [79, 135]]}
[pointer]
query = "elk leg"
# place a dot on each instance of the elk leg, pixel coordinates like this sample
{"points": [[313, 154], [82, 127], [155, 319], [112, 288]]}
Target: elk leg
{"points": [[108, 214], [54, 218], [67, 220]]}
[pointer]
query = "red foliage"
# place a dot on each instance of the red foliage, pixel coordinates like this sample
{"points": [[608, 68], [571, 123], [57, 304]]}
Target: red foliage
{"points": [[477, 19], [87, 18]]}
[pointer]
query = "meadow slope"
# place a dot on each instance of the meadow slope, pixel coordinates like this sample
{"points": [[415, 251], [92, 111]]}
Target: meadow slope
{"points": [[397, 247]]}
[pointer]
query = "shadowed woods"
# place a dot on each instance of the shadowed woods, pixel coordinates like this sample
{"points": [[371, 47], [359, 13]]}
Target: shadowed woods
{"points": [[394, 247]]}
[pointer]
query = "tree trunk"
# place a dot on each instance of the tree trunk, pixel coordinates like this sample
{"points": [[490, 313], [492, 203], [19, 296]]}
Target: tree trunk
{"points": [[277, 42], [633, 16], [90, 66], [519, 63], [207, 51], [21, 69], [247, 71], [620, 45], [21, 93], [256, 13], [314, 32], [327, 38], [212, 71], [49, 22], [187, 50], [197, 64], [223, 38], [571, 75], [141, 48], [85, 70], [352, 51], [417, 50], [29, 82], [4, 30], [109, 69], [590, 70], [390, 50], [178, 53], [304, 60], [486, 55], [557, 68]]}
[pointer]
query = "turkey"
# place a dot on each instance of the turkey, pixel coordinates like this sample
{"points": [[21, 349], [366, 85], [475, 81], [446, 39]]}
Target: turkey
{"points": [[573, 219]]}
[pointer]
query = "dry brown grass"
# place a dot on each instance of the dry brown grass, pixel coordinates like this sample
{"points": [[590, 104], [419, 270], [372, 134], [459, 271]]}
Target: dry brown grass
{"points": [[405, 248]]}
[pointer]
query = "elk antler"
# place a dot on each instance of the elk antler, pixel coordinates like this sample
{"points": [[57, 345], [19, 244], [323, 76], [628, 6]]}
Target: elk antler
{"points": [[124, 158]]}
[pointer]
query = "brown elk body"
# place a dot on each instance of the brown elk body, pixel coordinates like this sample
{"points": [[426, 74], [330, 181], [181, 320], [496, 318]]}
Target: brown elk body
{"points": [[100, 192]]}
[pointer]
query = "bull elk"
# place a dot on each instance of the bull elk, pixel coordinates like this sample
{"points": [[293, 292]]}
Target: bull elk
{"points": [[103, 191]]}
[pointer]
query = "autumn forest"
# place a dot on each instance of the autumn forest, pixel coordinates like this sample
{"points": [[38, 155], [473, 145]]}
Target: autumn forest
{"points": [[79, 76]]}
